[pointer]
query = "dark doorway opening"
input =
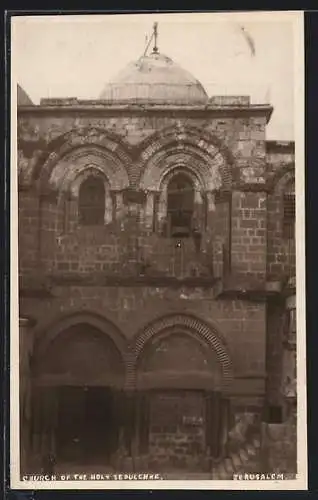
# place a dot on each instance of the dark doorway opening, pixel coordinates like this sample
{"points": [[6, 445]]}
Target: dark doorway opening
{"points": [[87, 428]]}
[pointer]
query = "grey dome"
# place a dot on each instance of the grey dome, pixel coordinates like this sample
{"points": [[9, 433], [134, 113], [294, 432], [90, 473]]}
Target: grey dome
{"points": [[155, 79], [22, 97]]}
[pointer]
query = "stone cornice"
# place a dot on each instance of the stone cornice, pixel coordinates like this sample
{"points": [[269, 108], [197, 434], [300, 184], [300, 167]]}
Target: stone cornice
{"points": [[280, 147], [73, 279], [231, 287], [92, 107], [249, 288]]}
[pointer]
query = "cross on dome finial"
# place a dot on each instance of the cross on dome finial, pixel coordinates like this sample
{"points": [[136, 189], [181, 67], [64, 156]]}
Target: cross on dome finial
{"points": [[155, 34]]}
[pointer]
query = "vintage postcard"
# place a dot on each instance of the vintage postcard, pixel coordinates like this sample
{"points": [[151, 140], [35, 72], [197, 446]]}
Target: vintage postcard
{"points": [[158, 252]]}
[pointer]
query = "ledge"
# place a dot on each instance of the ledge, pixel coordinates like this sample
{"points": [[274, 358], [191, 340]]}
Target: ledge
{"points": [[287, 147], [89, 107], [34, 287], [73, 279], [230, 287], [35, 292], [239, 287]]}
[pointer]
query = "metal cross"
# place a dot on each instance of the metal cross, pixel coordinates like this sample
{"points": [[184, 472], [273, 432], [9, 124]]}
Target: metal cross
{"points": [[155, 32]]}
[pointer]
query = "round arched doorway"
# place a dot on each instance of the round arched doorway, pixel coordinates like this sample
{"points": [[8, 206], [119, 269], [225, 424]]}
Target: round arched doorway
{"points": [[183, 408], [77, 397]]}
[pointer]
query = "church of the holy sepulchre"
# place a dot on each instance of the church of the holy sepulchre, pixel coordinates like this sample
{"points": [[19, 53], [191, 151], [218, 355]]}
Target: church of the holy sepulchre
{"points": [[156, 279]]}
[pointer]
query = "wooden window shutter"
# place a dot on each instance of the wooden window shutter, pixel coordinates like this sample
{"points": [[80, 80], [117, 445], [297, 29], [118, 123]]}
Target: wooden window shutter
{"points": [[92, 202]]}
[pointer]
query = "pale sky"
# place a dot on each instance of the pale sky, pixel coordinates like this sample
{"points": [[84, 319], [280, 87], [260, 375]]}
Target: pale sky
{"points": [[74, 56]]}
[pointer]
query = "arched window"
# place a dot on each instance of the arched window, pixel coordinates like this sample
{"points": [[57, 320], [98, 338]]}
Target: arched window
{"points": [[180, 205], [92, 202], [289, 211]]}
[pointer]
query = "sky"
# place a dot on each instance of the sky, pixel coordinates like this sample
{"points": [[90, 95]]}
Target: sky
{"points": [[74, 56]]}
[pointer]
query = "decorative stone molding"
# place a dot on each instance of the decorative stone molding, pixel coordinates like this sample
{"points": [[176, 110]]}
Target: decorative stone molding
{"points": [[189, 147], [205, 169], [205, 333], [78, 142], [46, 335], [65, 172], [281, 178]]}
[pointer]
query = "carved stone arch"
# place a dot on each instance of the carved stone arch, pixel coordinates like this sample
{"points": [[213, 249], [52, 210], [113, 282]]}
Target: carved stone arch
{"points": [[81, 350], [197, 136], [45, 334], [65, 173], [285, 181], [205, 334], [105, 145], [181, 169], [196, 146], [282, 178], [188, 158], [72, 185]]}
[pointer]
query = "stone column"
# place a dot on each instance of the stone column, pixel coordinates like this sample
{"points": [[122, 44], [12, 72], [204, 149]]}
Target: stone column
{"points": [[108, 217], [119, 206], [210, 201], [72, 216], [162, 210], [149, 210], [25, 351], [197, 223]]}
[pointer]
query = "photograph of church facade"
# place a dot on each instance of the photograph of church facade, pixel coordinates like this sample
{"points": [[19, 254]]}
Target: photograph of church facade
{"points": [[156, 280]]}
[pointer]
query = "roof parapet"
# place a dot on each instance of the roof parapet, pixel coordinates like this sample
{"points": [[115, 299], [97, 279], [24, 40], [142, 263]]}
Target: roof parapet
{"points": [[230, 100]]}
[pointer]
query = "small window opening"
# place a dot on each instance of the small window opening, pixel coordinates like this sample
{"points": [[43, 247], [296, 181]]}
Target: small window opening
{"points": [[180, 206], [92, 202]]}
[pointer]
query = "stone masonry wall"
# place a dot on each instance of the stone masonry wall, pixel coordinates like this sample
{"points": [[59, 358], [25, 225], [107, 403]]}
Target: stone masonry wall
{"points": [[55, 238], [177, 436], [75, 260], [79, 252], [241, 323], [244, 132], [281, 249], [248, 250]]}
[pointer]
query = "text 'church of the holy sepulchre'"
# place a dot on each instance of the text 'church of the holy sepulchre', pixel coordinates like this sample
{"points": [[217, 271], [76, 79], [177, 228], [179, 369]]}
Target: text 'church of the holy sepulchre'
{"points": [[156, 280]]}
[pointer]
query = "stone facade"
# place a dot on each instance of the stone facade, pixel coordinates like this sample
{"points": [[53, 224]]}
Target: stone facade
{"points": [[187, 332]]}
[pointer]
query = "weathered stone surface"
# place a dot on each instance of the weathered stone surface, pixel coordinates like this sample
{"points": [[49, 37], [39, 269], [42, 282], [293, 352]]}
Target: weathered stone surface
{"points": [[279, 447], [240, 238]]}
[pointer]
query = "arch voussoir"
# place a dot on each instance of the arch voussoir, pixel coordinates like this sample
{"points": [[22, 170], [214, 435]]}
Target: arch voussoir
{"points": [[205, 333], [185, 146], [85, 143]]}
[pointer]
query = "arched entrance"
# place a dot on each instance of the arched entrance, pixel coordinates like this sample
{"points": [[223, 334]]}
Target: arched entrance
{"points": [[77, 397], [183, 407]]}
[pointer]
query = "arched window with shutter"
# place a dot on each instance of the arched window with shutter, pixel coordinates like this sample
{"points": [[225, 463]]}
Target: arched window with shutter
{"points": [[180, 205], [91, 202]]}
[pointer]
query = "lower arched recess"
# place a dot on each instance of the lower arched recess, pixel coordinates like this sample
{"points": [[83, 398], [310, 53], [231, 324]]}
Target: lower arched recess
{"points": [[183, 414]]}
